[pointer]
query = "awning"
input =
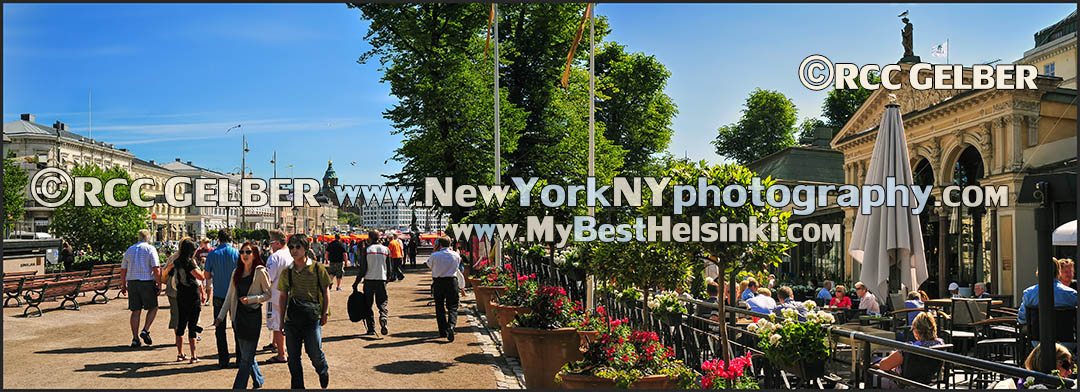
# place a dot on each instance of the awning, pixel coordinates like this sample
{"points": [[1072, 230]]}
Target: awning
{"points": [[1065, 235]]}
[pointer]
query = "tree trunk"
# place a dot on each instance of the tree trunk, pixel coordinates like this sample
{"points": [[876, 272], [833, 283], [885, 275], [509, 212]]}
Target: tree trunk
{"points": [[645, 313]]}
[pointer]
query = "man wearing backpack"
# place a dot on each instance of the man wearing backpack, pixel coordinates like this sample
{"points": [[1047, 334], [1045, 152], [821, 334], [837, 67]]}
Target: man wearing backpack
{"points": [[305, 297]]}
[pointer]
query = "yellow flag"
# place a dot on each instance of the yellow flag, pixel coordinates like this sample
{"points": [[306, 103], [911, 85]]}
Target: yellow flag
{"points": [[491, 19], [573, 47]]}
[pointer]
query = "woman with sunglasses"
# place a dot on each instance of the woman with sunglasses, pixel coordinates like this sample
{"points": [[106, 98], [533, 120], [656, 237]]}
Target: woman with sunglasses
{"points": [[248, 289]]}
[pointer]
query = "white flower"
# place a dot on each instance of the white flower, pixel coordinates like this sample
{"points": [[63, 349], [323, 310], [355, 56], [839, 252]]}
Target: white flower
{"points": [[774, 338], [789, 313], [809, 304], [752, 328], [829, 319]]}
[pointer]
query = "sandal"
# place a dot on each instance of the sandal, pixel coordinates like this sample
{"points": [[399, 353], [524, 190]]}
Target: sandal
{"points": [[276, 360], [194, 360], [181, 358]]}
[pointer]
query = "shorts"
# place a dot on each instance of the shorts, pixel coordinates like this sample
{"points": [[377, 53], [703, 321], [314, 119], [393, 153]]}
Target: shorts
{"points": [[142, 294], [336, 269], [273, 317]]}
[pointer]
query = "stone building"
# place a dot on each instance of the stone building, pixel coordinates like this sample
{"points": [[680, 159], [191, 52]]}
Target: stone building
{"points": [[973, 137], [167, 223]]}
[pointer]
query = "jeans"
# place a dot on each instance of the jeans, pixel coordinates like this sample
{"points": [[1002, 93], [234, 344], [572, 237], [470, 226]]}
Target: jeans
{"points": [[296, 337], [249, 367], [219, 334]]}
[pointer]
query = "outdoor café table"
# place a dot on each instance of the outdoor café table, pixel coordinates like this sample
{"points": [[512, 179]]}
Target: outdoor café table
{"points": [[839, 313], [869, 330], [943, 302]]}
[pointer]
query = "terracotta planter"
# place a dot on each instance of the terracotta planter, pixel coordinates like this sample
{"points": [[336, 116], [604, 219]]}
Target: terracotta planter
{"points": [[472, 282], [543, 353], [581, 381], [586, 337], [484, 294], [505, 315]]}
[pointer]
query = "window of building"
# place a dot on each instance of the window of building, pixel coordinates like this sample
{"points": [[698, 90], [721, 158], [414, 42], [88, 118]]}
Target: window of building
{"points": [[1048, 69]]}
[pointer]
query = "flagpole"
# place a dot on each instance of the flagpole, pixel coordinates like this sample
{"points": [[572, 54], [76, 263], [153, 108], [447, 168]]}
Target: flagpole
{"points": [[947, 52], [498, 140], [590, 284]]}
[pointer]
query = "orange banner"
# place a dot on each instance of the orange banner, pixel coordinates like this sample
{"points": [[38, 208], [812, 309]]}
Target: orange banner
{"points": [[573, 47]]}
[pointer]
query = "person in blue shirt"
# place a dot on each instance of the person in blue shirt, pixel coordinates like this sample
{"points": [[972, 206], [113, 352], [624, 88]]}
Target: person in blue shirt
{"points": [[762, 302], [824, 294], [219, 267], [1063, 295], [751, 289], [787, 302]]}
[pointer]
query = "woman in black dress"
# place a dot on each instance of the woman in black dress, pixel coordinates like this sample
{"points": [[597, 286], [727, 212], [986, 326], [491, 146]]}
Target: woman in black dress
{"points": [[248, 289], [188, 302]]}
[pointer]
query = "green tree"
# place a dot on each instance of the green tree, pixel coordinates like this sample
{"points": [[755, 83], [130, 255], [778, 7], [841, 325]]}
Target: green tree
{"points": [[432, 57], [15, 181], [350, 219], [840, 105], [767, 126], [807, 126], [105, 228]]}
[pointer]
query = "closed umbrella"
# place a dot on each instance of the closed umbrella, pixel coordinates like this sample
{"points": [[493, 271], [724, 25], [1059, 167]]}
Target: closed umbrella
{"points": [[889, 236]]}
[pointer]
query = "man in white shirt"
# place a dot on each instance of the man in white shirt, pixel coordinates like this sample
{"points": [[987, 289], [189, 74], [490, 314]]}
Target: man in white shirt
{"points": [[280, 260], [140, 271], [867, 300], [374, 269], [444, 263]]}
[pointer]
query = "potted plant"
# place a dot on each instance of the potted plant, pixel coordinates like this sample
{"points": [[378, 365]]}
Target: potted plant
{"points": [[624, 358], [714, 375], [590, 324], [800, 348], [568, 261], [493, 285], [545, 341], [518, 299], [667, 308]]}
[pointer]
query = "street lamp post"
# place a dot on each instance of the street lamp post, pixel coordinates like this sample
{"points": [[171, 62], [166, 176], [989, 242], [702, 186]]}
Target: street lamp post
{"points": [[243, 151], [295, 210]]}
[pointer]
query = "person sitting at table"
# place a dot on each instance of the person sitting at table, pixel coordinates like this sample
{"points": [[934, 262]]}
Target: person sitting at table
{"points": [[954, 290], [751, 289], [841, 299], [980, 291], [762, 302], [925, 329], [1062, 360], [788, 302], [1063, 295], [1066, 271], [867, 300], [824, 294]]}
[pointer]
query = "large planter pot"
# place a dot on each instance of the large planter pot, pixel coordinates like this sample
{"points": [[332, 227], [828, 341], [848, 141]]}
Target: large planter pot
{"points": [[472, 282], [505, 315], [586, 337], [484, 294], [806, 370], [543, 353], [582, 381]]}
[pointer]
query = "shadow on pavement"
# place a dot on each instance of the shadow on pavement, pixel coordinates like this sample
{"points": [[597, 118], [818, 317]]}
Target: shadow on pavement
{"points": [[412, 367], [434, 338], [104, 349], [475, 358], [137, 369], [422, 316]]}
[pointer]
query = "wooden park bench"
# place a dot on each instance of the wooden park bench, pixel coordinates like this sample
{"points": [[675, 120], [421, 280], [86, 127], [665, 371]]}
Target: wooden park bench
{"points": [[13, 286], [99, 285], [59, 276], [66, 289]]}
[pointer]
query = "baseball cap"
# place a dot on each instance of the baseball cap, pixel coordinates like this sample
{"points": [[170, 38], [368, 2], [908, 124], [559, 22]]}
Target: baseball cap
{"points": [[954, 286]]}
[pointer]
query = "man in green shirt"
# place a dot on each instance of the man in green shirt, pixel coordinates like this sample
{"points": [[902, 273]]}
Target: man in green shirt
{"points": [[305, 297]]}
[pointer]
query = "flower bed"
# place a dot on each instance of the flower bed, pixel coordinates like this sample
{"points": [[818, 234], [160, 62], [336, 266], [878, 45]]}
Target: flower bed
{"points": [[624, 356]]}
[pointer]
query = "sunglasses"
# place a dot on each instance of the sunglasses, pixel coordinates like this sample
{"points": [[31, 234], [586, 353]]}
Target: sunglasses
{"points": [[246, 252], [296, 247]]}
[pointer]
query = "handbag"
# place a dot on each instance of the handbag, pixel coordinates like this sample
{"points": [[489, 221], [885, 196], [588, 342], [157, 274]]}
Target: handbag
{"points": [[303, 313]]}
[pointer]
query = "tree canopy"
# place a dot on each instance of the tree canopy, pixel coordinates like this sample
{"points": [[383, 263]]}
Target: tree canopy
{"points": [[767, 126], [105, 228], [15, 181], [840, 105]]}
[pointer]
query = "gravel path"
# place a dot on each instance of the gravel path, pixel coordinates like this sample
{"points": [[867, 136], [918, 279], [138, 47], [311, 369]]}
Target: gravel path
{"points": [[89, 349]]}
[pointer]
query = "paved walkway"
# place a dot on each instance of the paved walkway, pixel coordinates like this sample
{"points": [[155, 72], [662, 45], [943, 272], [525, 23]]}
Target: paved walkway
{"points": [[89, 349]]}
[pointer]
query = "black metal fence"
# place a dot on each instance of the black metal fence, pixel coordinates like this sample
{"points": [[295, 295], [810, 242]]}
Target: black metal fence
{"points": [[696, 339]]}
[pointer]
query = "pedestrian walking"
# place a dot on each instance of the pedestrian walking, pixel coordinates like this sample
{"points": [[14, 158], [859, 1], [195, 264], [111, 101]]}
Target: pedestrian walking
{"points": [[444, 263], [305, 298], [279, 261], [140, 271], [220, 265], [185, 276], [374, 270], [414, 244], [397, 253], [248, 289], [67, 256], [337, 255]]}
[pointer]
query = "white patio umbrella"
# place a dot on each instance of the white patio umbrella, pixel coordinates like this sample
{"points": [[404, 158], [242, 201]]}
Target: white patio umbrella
{"points": [[1065, 235], [889, 235]]}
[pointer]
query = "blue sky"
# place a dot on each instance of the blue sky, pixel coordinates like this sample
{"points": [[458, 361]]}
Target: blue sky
{"points": [[169, 79]]}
